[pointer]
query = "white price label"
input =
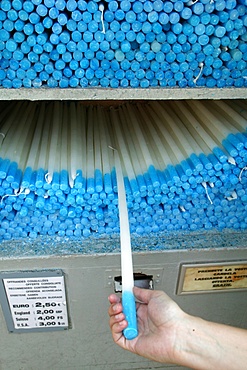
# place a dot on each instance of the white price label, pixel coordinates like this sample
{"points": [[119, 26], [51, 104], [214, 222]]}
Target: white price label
{"points": [[37, 302]]}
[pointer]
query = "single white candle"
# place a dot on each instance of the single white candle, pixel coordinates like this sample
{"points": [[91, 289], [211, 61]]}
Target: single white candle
{"points": [[126, 256], [45, 140], [73, 145], [26, 138], [103, 141], [35, 142], [90, 144], [81, 138], [128, 299], [64, 140], [52, 155], [122, 144], [97, 154]]}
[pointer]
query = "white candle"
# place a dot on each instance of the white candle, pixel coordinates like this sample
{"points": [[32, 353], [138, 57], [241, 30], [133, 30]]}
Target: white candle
{"points": [[90, 146], [55, 133], [35, 142], [81, 139], [103, 141], [73, 145], [128, 299], [45, 141], [121, 142], [126, 256], [97, 155], [64, 140]]}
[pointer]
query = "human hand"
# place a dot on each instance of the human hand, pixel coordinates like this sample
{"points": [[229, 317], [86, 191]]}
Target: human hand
{"points": [[169, 335], [157, 316]]}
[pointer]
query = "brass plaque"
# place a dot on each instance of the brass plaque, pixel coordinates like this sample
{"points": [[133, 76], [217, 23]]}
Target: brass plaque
{"points": [[212, 277]]}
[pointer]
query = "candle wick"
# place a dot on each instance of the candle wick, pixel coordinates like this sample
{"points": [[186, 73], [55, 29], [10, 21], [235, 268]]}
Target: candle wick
{"points": [[231, 160], [241, 172], [224, 48], [201, 65], [101, 9], [71, 182], [204, 184], [233, 196], [16, 193], [48, 178], [192, 2]]}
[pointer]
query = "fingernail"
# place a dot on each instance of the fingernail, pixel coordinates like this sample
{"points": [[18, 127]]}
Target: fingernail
{"points": [[115, 307]]}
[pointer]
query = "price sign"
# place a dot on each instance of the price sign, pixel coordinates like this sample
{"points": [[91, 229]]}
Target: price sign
{"points": [[36, 301]]}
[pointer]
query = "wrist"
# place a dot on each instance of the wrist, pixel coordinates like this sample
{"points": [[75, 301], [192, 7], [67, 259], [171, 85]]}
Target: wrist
{"points": [[192, 346]]}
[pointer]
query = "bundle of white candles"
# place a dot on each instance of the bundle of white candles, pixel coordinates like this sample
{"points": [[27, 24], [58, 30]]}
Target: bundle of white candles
{"points": [[71, 136], [56, 157]]}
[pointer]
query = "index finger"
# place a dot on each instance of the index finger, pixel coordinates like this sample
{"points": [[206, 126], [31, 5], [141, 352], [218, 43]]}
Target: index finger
{"points": [[113, 298], [115, 305]]}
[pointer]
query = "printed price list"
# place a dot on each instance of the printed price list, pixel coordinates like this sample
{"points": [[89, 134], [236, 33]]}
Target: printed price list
{"points": [[37, 302]]}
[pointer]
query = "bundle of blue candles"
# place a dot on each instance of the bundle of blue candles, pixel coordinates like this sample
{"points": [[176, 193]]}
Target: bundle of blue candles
{"points": [[127, 43], [183, 162]]}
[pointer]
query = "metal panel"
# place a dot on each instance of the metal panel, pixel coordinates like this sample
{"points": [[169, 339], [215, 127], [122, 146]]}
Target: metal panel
{"points": [[88, 344]]}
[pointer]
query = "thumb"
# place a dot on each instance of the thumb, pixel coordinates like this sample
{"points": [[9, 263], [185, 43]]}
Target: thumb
{"points": [[144, 295]]}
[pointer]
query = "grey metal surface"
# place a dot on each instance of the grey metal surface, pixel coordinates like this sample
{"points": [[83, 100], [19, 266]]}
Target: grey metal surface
{"points": [[122, 94], [88, 345]]}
